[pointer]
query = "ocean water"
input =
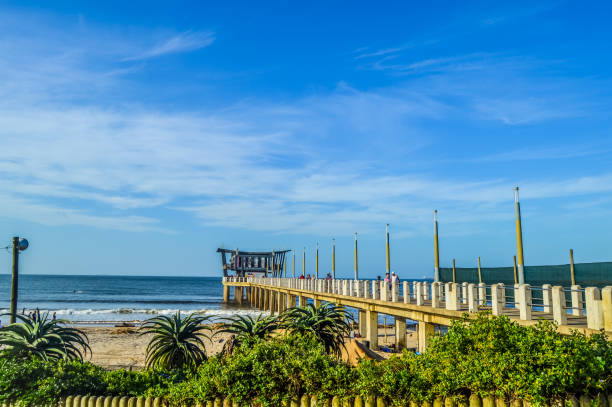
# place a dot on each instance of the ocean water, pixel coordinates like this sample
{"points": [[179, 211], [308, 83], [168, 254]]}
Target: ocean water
{"points": [[98, 299]]}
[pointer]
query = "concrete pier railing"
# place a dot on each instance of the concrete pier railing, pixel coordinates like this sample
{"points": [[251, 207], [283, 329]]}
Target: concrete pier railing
{"points": [[588, 309], [312, 401]]}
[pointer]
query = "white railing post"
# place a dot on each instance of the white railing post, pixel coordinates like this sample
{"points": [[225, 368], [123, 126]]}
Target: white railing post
{"points": [[497, 305], [547, 297], [366, 289], [472, 298], [419, 294], [414, 289], [558, 305], [577, 304], [452, 297], [425, 290], [435, 294], [606, 302], [464, 293], [524, 301], [594, 307], [406, 287], [482, 294]]}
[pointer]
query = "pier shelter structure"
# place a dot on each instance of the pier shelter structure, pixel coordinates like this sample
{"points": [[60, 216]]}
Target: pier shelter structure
{"points": [[254, 264], [587, 310]]}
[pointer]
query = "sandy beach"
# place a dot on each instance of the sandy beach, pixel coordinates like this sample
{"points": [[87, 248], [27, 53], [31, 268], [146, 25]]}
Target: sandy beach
{"points": [[124, 348]]}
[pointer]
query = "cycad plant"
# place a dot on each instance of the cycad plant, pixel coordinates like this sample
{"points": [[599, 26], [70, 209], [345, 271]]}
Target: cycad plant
{"points": [[178, 342], [328, 323], [43, 338], [247, 328]]}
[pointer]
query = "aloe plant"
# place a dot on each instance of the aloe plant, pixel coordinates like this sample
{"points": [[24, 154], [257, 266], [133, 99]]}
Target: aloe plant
{"points": [[328, 323], [43, 338], [178, 342], [247, 328]]}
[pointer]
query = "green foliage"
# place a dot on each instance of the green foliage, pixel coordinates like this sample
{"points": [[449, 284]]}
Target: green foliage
{"points": [[248, 329], [177, 341], [42, 383], [43, 338], [269, 372], [489, 356], [494, 356], [328, 323]]}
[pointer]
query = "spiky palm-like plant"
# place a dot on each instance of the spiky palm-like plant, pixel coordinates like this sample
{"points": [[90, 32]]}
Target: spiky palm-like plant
{"points": [[247, 328], [177, 341], [329, 323], [43, 338]]}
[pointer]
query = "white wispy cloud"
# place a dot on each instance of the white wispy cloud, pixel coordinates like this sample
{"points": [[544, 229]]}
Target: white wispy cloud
{"points": [[183, 42], [314, 164]]}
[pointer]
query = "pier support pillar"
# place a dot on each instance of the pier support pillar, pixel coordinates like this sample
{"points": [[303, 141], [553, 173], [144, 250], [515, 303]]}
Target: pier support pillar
{"points": [[271, 302], [303, 301], [280, 307], [238, 294], [372, 328], [292, 301], [226, 293], [363, 326], [425, 331], [317, 302], [400, 333]]}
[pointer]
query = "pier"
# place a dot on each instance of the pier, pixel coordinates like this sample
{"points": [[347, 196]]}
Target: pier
{"points": [[587, 310]]}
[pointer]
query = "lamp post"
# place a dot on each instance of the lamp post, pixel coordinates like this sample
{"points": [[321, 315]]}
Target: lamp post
{"points": [[317, 261], [519, 238], [388, 252], [436, 249], [356, 269], [18, 246], [334, 259]]}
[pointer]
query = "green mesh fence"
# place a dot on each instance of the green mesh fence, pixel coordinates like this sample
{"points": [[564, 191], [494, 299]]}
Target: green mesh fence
{"points": [[587, 274]]}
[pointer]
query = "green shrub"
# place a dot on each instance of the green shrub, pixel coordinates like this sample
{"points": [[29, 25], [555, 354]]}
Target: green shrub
{"points": [[269, 372], [489, 356]]}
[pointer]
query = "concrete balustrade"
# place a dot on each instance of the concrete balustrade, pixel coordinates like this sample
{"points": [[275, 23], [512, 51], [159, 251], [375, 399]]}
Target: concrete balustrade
{"points": [[406, 289]]}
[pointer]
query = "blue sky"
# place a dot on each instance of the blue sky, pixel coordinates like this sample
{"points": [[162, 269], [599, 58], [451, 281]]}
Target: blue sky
{"points": [[137, 137]]}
